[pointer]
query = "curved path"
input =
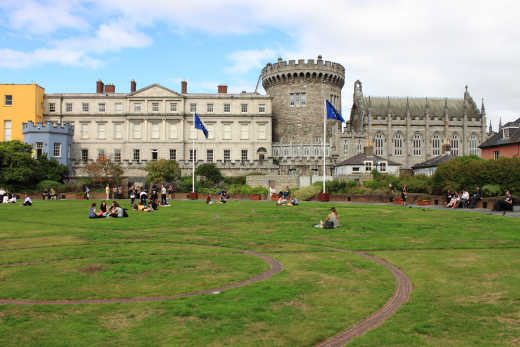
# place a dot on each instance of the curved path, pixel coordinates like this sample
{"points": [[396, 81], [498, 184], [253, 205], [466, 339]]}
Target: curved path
{"points": [[401, 295], [274, 268]]}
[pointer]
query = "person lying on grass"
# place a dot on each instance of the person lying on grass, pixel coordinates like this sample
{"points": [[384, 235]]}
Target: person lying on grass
{"points": [[143, 208], [92, 212]]}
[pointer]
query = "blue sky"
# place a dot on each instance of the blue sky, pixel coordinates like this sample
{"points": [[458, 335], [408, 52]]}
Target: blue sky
{"points": [[396, 48]]}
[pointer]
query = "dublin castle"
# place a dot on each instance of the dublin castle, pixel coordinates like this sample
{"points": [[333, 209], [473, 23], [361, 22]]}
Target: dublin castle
{"points": [[280, 132]]}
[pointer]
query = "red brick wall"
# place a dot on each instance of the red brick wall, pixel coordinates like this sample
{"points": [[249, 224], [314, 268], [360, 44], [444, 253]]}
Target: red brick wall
{"points": [[506, 151]]}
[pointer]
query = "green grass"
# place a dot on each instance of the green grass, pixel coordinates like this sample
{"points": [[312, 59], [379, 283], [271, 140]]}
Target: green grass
{"points": [[464, 269]]}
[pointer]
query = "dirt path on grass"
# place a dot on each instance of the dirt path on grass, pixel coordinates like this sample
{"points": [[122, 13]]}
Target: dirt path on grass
{"points": [[401, 295], [274, 268]]}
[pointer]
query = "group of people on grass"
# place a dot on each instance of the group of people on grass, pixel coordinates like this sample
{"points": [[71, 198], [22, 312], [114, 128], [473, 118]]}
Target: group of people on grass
{"points": [[285, 199], [114, 211], [49, 194], [221, 198]]}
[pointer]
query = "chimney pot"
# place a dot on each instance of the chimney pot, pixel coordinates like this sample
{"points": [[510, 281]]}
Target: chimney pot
{"points": [[100, 87], [184, 87], [110, 88], [133, 86], [222, 89]]}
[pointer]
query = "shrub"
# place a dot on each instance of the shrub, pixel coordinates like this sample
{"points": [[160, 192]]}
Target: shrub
{"points": [[259, 190], [491, 190], [306, 193], [240, 180], [210, 171], [47, 184]]}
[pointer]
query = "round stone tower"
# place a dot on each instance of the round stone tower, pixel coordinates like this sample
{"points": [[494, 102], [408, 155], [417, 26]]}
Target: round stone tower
{"points": [[298, 90]]}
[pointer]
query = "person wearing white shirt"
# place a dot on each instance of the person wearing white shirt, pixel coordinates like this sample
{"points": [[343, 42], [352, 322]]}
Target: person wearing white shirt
{"points": [[27, 201]]}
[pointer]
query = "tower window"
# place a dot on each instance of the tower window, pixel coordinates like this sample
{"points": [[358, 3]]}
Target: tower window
{"points": [[297, 99]]}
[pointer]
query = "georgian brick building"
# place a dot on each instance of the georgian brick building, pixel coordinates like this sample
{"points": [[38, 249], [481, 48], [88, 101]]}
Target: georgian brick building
{"points": [[504, 143]]}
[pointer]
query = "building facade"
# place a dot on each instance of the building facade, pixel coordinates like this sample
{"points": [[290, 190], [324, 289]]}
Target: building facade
{"points": [[503, 144], [412, 130], [155, 123], [53, 140], [278, 133], [20, 103]]}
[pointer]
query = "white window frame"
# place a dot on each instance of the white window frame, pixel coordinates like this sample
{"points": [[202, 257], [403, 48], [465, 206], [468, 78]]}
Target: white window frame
{"points": [[52, 107], [436, 145], [136, 155], [473, 145], [84, 155], [84, 107], [118, 130], [118, 107], [83, 129], [379, 143], [227, 155], [173, 154], [368, 164], [102, 107], [8, 130], [56, 150], [193, 107], [101, 131], [117, 155], [243, 108], [209, 108], [455, 143], [193, 155], [244, 131], [398, 144], [155, 107], [227, 132], [417, 145], [173, 107], [244, 155], [209, 155], [68, 107], [136, 130], [261, 108], [227, 108], [137, 107]]}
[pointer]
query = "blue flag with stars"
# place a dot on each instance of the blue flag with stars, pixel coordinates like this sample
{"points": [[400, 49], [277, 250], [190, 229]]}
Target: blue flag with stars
{"points": [[200, 125], [332, 113]]}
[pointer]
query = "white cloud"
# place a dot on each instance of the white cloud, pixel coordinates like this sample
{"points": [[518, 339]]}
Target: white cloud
{"points": [[44, 17], [246, 60], [79, 51]]}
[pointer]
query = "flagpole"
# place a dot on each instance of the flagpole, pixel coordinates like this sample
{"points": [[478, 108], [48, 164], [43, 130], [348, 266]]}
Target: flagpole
{"points": [[193, 155], [324, 139]]}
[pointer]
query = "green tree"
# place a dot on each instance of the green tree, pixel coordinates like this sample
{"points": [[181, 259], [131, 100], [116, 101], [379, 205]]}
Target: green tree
{"points": [[103, 170], [162, 171], [210, 171]]}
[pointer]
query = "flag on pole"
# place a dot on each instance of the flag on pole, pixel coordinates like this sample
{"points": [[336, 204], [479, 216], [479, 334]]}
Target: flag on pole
{"points": [[200, 125], [332, 113]]}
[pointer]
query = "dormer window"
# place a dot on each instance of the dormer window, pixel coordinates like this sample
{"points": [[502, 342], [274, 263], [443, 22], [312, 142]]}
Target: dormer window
{"points": [[505, 133]]}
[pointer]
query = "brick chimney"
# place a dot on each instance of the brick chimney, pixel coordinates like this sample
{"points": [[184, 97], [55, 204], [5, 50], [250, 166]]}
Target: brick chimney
{"points": [[222, 89], [184, 87], [100, 87], [133, 86], [110, 88]]}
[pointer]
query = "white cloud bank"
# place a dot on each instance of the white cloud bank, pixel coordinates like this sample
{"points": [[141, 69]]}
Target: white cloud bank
{"points": [[398, 47]]}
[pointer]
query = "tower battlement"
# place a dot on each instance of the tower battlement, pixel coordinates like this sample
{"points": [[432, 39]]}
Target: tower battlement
{"points": [[301, 69], [47, 127]]}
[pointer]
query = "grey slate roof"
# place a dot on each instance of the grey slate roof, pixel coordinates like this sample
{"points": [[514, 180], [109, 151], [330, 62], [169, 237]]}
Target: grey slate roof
{"points": [[359, 159], [397, 105], [434, 162], [498, 139]]}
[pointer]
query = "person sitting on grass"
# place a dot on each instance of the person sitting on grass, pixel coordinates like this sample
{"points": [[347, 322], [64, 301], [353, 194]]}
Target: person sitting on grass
{"points": [[281, 201], [27, 201], [52, 194], [116, 211], [209, 201], [92, 212], [293, 202], [331, 222], [12, 198], [221, 199], [103, 208], [505, 204]]}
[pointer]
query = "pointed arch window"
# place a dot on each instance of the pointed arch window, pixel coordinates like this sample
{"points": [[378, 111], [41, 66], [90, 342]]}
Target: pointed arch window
{"points": [[417, 145], [473, 145], [455, 145], [380, 143], [345, 147], [436, 145], [398, 144]]}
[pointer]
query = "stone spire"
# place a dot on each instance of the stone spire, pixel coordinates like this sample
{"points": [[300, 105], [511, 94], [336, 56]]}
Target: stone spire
{"points": [[500, 124], [445, 106], [388, 105], [482, 108], [427, 106], [490, 130]]}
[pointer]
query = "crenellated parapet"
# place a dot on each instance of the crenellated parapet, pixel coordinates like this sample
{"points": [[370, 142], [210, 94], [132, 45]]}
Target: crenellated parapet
{"points": [[303, 70], [48, 127]]}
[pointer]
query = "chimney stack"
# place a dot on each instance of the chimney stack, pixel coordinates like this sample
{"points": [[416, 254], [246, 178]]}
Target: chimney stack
{"points": [[222, 89], [100, 87], [133, 86], [110, 88], [184, 87]]}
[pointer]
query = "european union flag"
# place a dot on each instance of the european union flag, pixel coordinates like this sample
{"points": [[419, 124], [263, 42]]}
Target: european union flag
{"points": [[200, 125], [332, 113]]}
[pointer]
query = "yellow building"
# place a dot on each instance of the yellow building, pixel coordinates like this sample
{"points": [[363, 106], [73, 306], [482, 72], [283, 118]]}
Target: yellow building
{"points": [[19, 103]]}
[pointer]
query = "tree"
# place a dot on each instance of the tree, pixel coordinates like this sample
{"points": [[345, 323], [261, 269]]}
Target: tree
{"points": [[210, 171], [19, 168], [104, 169], [162, 171]]}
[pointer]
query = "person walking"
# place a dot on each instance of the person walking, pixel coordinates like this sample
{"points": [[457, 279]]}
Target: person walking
{"points": [[87, 192], [404, 194]]}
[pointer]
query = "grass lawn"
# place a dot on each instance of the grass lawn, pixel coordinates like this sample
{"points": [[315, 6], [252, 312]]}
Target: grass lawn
{"points": [[464, 268]]}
